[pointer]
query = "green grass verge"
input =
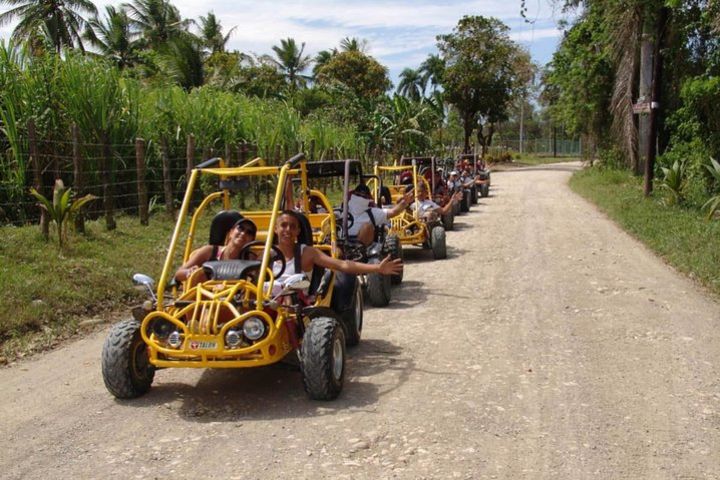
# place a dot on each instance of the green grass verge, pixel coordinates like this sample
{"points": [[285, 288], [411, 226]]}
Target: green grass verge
{"points": [[48, 291], [682, 236]]}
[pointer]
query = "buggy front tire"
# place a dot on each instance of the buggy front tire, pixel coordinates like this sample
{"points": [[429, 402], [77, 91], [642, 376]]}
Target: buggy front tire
{"points": [[395, 248], [126, 367], [437, 242], [322, 359], [448, 220], [473, 195], [353, 318], [378, 287]]}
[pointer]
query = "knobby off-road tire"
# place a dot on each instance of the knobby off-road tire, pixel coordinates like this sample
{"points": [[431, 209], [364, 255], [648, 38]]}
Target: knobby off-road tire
{"points": [[353, 318], [448, 220], [465, 202], [322, 359], [378, 287], [456, 208], [484, 190], [126, 368], [395, 248], [473, 195], [437, 242]]}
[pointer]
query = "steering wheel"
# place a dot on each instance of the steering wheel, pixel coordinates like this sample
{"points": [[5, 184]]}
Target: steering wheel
{"points": [[276, 255], [338, 218]]}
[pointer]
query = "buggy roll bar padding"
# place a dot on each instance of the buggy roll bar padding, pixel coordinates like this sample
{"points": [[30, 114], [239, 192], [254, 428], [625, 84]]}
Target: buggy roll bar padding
{"points": [[293, 161], [210, 162]]}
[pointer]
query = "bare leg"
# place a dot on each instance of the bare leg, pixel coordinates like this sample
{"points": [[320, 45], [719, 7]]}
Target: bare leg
{"points": [[366, 235]]}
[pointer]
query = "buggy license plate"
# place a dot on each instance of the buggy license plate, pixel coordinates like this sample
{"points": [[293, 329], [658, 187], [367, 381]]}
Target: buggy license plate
{"points": [[196, 345]]}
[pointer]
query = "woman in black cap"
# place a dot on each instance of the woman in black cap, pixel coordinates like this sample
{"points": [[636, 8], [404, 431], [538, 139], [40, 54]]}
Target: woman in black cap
{"points": [[241, 233]]}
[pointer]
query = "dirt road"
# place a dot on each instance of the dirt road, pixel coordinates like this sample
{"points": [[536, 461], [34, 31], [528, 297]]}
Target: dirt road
{"points": [[548, 345]]}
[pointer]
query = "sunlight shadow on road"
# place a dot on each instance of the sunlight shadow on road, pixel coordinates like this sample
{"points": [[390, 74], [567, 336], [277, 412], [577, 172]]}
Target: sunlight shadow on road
{"points": [[276, 391]]}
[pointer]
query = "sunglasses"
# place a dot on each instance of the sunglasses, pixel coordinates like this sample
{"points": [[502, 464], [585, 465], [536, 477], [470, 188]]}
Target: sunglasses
{"points": [[245, 229]]}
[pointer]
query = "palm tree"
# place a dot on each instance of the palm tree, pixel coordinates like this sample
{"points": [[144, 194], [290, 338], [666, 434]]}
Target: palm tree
{"points": [[211, 33], [113, 36], [411, 84], [322, 58], [62, 21], [182, 60], [353, 44], [291, 62], [157, 20], [432, 71]]}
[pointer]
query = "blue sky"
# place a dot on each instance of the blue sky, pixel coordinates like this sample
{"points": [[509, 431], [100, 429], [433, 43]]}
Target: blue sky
{"points": [[400, 33]]}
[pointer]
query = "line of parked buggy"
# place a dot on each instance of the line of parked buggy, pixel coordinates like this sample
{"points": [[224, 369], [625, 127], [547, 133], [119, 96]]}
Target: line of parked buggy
{"points": [[246, 311]]}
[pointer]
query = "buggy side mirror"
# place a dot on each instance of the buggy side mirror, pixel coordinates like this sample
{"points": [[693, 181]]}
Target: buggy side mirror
{"points": [[144, 280]]}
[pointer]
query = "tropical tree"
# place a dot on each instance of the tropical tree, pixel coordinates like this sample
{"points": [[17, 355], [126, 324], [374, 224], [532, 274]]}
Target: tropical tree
{"points": [[361, 73], [62, 21], [411, 84], [321, 59], [157, 20], [113, 36], [211, 33], [353, 44], [181, 59], [432, 71], [291, 61], [478, 77]]}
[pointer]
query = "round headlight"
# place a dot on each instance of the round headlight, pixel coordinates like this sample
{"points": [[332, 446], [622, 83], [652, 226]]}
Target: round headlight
{"points": [[174, 339], [232, 338], [253, 328]]}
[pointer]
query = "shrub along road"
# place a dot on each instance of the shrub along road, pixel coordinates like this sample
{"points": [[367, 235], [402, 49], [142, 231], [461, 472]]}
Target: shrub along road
{"points": [[549, 344]]}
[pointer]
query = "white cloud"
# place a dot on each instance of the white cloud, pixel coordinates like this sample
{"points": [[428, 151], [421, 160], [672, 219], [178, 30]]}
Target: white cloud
{"points": [[400, 32]]}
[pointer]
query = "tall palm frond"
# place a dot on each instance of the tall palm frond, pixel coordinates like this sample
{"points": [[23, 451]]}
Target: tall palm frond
{"points": [[353, 44], [157, 20], [432, 71], [211, 33], [291, 61], [63, 22], [113, 36], [411, 84]]}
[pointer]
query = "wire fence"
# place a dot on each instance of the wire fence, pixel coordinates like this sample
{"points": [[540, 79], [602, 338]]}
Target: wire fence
{"points": [[538, 146], [133, 178]]}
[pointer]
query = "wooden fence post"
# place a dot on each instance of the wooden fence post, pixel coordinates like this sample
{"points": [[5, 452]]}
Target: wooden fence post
{"points": [[190, 157], [37, 177], [107, 182], [167, 177], [142, 190], [311, 150], [77, 176]]}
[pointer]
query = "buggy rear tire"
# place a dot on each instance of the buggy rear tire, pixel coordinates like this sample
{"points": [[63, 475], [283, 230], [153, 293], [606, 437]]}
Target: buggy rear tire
{"points": [[378, 287], [394, 246], [126, 367], [465, 202], [322, 359], [353, 318], [484, 190], [437, 243], [473, 195]]}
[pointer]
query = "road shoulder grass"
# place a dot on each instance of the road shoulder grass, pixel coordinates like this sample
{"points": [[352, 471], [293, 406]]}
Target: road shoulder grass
{"points": [[682, 236], [49, 292]]}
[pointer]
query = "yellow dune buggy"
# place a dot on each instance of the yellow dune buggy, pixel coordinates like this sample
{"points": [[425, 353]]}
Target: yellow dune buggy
{"points": [[234, 317], [411, 227]]}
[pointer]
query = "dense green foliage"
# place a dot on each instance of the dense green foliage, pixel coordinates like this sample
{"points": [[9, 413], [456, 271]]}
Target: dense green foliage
{"points": [[593, 80]]}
